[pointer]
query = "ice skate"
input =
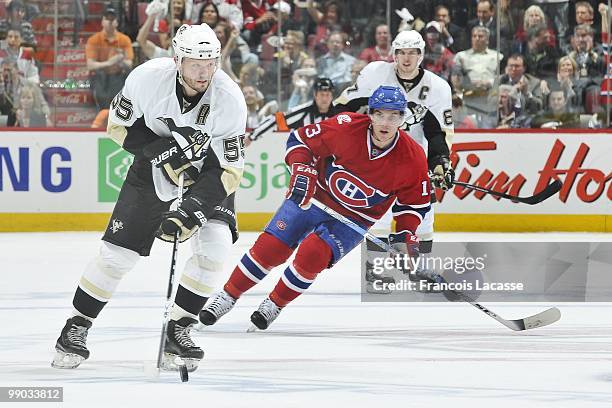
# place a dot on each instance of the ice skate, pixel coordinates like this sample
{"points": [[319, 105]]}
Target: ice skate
{"points": [[179, 349], [218, 305], [71, 345], [427, 280], [380, 287], [265, 314]]}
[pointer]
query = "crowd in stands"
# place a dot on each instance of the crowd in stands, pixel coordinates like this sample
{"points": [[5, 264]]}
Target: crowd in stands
{"points": [[510, 63]]}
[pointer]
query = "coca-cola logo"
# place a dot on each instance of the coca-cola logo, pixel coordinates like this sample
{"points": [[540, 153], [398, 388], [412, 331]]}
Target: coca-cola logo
{"points": [[588, 184], [71, 99]]}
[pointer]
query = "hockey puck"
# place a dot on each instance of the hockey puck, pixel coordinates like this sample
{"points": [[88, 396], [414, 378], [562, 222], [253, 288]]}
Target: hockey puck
{"points": [[184, 373]]}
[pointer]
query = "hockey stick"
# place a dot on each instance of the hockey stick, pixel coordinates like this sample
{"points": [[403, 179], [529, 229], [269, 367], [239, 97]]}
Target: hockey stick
{"points": [[162, 340], [541, 319], [548, 191]]}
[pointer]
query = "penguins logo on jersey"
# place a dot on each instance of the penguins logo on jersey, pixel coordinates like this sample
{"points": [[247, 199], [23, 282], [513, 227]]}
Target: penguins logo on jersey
{"points": [[415, 114], [193, 141]]}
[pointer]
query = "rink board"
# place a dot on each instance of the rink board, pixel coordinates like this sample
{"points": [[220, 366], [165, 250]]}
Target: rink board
{"points": [[68, 180]]}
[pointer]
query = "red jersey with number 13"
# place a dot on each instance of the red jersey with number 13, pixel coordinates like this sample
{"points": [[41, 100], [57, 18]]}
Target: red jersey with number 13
{"points": [[359, 180]]}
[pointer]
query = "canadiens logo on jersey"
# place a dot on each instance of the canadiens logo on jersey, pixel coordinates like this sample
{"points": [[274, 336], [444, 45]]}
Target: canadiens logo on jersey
{"points": [[193, 141], [351, 190]]}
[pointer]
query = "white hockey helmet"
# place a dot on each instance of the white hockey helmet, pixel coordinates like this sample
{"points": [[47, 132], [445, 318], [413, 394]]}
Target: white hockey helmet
{"points": [[195, 41], [408, 39]]}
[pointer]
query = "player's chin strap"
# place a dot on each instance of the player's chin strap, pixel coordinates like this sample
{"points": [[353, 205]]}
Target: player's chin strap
{"points": [[544, 318]]}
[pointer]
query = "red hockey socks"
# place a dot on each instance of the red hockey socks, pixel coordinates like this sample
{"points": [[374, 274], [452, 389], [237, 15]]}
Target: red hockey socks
{"points": [[267, 252], [312, 257]]}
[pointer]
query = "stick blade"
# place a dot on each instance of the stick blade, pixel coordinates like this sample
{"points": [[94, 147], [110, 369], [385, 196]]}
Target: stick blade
{"points": [[550, 190], [541, 319]]}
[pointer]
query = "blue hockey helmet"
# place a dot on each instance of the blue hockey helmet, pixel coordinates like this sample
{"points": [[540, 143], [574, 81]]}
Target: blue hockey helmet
{"points": [[387, 97]]}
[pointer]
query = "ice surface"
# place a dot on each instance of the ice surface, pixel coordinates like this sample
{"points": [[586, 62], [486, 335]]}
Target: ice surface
{"points": [[325, 349]]}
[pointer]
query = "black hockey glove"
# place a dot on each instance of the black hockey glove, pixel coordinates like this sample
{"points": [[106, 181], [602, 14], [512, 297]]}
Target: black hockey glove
{"points": [[185, 220], [441, 174], [166, 154]]}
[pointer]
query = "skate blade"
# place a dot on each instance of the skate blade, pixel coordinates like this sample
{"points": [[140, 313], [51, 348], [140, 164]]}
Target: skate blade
{"points": [[172, 362], [370, 289], [66, 360], [199, 327]]}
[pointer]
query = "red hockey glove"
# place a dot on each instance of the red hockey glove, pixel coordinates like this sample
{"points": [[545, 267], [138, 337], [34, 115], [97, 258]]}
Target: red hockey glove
{"points": [[302, 185]]}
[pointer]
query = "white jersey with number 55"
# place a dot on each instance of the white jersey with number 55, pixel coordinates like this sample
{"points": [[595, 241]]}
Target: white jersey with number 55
{"points": [[429, 101], [210, 129]]}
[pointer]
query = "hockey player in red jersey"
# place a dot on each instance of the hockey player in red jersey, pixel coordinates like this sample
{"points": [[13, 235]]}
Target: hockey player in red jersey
{"points": [[360, 165]]}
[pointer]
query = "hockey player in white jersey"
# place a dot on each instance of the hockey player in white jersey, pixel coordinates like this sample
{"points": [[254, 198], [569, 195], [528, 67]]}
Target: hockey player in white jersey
{"points": [[174, 115], [430, 120]]}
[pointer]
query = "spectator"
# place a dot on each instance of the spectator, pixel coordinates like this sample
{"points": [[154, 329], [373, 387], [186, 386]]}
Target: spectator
{"points": [[509, 112], [234, 50], [257, 16], [485, 17], [534, 16], [303, 79], [257, 110], [176, 15], [109, 55], [336, 64], [438, 59], [509, 16], [381, 51], [209, 14], [356, 68], [22, 57], [148, 47], [558, 113], [475, 72], [250, 74], [16, 20], [557, 12], [266, 23], [540, 59], [453, 36], [568, 81], [327, 21], [584, 14], [590, 59], [475, 69], [460, 116], [525, 86], [288, 59], [31, 109], [10, 83], [606, 85]]}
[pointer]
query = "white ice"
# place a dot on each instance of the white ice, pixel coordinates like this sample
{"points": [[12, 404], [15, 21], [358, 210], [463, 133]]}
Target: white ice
{"points": [[325, 349]]}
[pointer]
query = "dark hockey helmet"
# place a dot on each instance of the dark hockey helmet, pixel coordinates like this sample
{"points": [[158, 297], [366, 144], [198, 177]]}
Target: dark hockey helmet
{"points": [[323, 84]]}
